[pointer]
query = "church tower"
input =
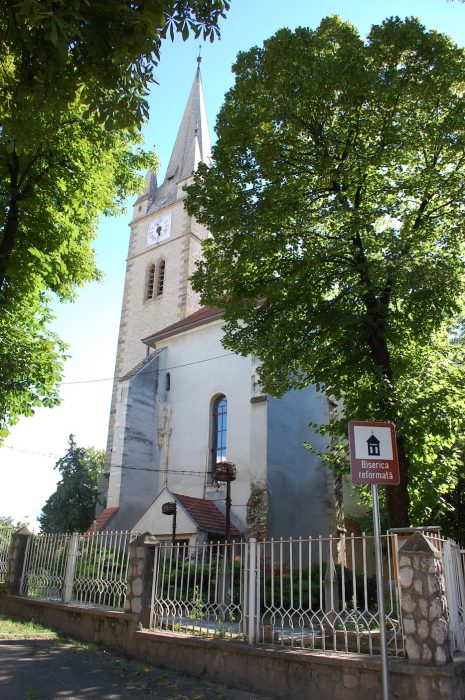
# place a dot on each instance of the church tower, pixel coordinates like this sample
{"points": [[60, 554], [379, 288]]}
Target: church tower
{"points": [[165, 244]]}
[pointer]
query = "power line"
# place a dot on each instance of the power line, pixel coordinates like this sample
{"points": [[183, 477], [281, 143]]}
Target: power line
{"points": [[154, 371], [190, 472], [30, 452]]}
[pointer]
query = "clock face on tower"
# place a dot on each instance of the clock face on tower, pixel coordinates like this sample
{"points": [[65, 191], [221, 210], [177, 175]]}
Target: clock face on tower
{"points": [[159, 229]]}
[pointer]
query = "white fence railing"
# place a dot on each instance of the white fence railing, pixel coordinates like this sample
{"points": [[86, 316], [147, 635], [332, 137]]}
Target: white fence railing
{"points": [[88, 569], [453, 559], [314, 593], [5, 541], [455, 592], [200, 589]]}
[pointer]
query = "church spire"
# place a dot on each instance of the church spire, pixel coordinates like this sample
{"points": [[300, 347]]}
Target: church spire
{"points": [[192, 142], [192, 146]]}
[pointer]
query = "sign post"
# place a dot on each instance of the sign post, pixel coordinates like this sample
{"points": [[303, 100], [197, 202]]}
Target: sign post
{"points": [[373, 460]]}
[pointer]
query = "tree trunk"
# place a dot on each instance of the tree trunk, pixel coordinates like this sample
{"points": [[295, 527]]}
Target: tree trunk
{"points": [[10, 232], [9, 238], [397, 497]]}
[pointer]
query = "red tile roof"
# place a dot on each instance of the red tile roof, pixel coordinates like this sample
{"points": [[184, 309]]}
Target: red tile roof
{"points": [[203, 315], [206, 514], [101, 521]]}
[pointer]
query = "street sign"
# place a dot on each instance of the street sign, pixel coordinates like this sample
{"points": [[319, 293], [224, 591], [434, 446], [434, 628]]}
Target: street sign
{"points": [[373, 460], [373, 453]]}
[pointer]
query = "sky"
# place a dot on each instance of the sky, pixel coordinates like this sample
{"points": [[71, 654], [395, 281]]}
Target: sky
{"points": [[90, 325]]}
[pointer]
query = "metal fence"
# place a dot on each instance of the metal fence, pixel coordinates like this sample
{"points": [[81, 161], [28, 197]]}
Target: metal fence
{"points": [[454, 575], [5, 541], [200, 589], [453, 559], [313, 593], [86, 569]]}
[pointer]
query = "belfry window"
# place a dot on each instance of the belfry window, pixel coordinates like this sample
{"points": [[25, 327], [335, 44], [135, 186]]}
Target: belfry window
{"points": [[161, 278], [219, 429], [150, 285]]}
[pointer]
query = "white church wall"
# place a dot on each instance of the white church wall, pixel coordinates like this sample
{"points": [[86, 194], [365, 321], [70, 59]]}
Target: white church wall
{"points": [[196, 379]]}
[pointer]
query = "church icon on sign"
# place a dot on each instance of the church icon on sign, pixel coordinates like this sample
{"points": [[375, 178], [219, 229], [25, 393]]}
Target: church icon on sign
{"points": [[373, 446]]}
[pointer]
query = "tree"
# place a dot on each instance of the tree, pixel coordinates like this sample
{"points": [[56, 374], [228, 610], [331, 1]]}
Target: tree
{"points": [[72, 507], [336, 208], [52, 189], [74, 79]]}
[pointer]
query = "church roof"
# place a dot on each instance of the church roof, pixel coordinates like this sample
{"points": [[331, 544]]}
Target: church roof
{"points": [[206, 514], [203, 315], [101, 521], [140, 365], [192, 147]]}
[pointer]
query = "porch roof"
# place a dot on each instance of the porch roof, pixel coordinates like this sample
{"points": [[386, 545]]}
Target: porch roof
{"points": [[101, 521], [206, 515]]}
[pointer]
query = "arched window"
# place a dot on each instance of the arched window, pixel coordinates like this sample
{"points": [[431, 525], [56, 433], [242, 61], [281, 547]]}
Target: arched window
{"points": [[219, 429], [150, 285], [160, 278]]}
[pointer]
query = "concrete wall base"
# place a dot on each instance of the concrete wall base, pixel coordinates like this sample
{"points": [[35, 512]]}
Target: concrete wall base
{"points": [[284, 673]]}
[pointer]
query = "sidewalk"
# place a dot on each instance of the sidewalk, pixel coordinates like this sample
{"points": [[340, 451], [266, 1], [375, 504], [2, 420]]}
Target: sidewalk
{"points": [[44, 669]]}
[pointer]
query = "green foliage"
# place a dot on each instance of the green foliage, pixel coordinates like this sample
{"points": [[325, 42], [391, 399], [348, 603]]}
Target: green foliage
{"points": [[16, 629], [449, 510], [197, 611], [303, 589], [185, 578], [106, 50], [31, 359], [74, 80], [294, 586], [336, 208], [72, 507], [8, 523]]}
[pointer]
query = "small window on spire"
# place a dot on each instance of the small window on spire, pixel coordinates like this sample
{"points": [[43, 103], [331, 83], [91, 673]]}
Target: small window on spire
{"points": [[161, 278], [150, 286]]}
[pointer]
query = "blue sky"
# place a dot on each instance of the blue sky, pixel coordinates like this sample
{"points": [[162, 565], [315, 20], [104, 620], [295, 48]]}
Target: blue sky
{"points": [[90, 326]]}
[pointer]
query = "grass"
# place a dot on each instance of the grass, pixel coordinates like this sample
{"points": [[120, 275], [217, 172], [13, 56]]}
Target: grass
{"points": [[16, 629], [30, 629]]}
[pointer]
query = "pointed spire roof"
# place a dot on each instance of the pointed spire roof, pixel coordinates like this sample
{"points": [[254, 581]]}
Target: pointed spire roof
{"points": [[192, 145], [192, 135]]}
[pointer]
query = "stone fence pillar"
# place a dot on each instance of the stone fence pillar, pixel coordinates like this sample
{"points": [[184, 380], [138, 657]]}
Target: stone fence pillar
{"points": [[16, 555], [423, 602], [140, 577]]}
